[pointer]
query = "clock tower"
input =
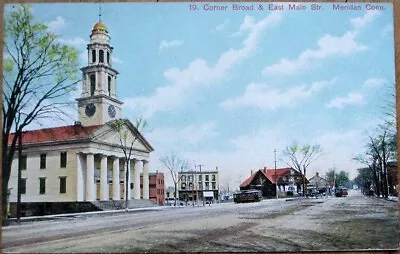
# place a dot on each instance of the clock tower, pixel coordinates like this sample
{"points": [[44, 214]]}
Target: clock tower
{"points": [[98, 103]]}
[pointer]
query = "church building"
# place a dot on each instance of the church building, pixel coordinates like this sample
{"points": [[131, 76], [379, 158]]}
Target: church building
{"points": [[83, 163]]}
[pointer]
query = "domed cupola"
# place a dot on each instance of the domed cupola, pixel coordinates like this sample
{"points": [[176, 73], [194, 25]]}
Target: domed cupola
{"points": [[99, 28]]}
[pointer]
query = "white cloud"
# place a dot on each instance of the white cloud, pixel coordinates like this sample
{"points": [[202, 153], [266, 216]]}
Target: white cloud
{"points": [[191, 134], [368, 18], [267, 98], [221, 26], [339, 149], [387, 30], [116, 60], [350, 99], [199, 73], [169, 44], [327, 46], [56, 25], [374, 82], [75, 42]]}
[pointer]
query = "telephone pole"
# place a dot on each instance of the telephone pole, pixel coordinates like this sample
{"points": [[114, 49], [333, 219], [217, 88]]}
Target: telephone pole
{"points": [[276, 182]]}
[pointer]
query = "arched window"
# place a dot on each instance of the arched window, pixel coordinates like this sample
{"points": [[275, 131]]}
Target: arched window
{"points": [[108, 57], [92, 84], [93, 55], [109, 85], [101, 56]]}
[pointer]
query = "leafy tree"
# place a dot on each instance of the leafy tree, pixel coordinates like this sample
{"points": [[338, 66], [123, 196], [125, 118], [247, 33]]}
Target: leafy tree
{"points": [[127, 138], [300, 157], [342, 178], [38, 72], [364, 179], [174, 164]]}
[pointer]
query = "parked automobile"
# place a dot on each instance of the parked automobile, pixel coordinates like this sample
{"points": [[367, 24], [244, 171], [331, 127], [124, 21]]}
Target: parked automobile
{"points": [[341, 192]]}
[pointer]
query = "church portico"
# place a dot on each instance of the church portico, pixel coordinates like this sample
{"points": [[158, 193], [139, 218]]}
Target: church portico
{"points": [[96, 181]]}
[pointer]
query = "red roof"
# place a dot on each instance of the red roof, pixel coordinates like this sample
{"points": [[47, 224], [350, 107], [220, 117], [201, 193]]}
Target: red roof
{"points": [[63, 133], [268, 173]]}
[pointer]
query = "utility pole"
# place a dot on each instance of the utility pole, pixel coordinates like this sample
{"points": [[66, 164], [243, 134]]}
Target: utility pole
{"points": [[276, 182], [202, 184]]}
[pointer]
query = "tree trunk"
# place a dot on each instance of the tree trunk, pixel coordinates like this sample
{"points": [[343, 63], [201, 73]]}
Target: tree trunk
{"points": [[176, 187], [6, 163], [127, 185]]}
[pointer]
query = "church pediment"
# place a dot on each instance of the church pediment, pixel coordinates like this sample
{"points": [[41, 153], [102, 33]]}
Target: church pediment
{"points": [[128, 134]]}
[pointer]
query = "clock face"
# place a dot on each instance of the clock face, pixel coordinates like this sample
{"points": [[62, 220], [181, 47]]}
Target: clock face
{"points": [[90, 109], [111, 111]]}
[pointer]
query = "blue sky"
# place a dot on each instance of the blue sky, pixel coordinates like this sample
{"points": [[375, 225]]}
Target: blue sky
{"points": [[226, 88]]}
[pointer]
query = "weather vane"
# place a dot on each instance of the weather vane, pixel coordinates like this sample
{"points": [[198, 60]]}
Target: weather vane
{"points": [[99, 11]]}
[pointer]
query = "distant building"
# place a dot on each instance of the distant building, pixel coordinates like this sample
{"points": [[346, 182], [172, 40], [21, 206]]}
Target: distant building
{"points": [[198, 185], [156, 188], [317, 181], [289, 181], [169, 196]]}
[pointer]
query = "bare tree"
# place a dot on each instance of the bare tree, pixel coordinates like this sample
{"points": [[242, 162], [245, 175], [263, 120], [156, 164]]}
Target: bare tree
{"points": [[127, 138], [38, 73], [173, 163], [300, 157]]}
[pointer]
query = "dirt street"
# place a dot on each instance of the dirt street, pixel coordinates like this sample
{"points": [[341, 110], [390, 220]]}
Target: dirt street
{"points": [[353, 222]]}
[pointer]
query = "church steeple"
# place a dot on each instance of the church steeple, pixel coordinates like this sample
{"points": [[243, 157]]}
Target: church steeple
{"points": [[98, 103]]}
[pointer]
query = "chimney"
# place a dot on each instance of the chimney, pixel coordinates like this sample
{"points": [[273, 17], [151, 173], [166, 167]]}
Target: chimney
{"points": [[317, 174], [251, 173], [265, 169]]}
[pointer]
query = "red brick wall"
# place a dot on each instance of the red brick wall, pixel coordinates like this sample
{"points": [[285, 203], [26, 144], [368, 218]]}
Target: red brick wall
{"points": [[156, 188]]}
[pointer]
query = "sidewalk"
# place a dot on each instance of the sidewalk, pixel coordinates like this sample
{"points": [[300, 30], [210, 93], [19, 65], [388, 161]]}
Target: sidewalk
{"points": [[13, 221]]}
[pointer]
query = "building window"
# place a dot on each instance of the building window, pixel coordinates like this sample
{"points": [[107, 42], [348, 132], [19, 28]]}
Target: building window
{"points": [[191, 186], [190, 178], [200, 185], [101, 56], [108, 57], [183, 186], [207, 178], [42, 185], [93, 55], [109, 86], [22, 186], [42, 161], [92, 84], [63, 160], [63, 184], [152, 186], [213, 186], [200, 177], [207, 186], [183, 178], [213, 178], [24, 159], [167, 194]]}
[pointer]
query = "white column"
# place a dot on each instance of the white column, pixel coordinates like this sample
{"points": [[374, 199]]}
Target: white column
{"points": [[80, 191], [146, 193], [90, 187], [115, 180], [136, 179], [103, 178]]}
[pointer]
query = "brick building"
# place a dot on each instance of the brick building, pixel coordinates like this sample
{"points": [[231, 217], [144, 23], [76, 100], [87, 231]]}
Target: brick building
{"points": [[156, 188]]}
